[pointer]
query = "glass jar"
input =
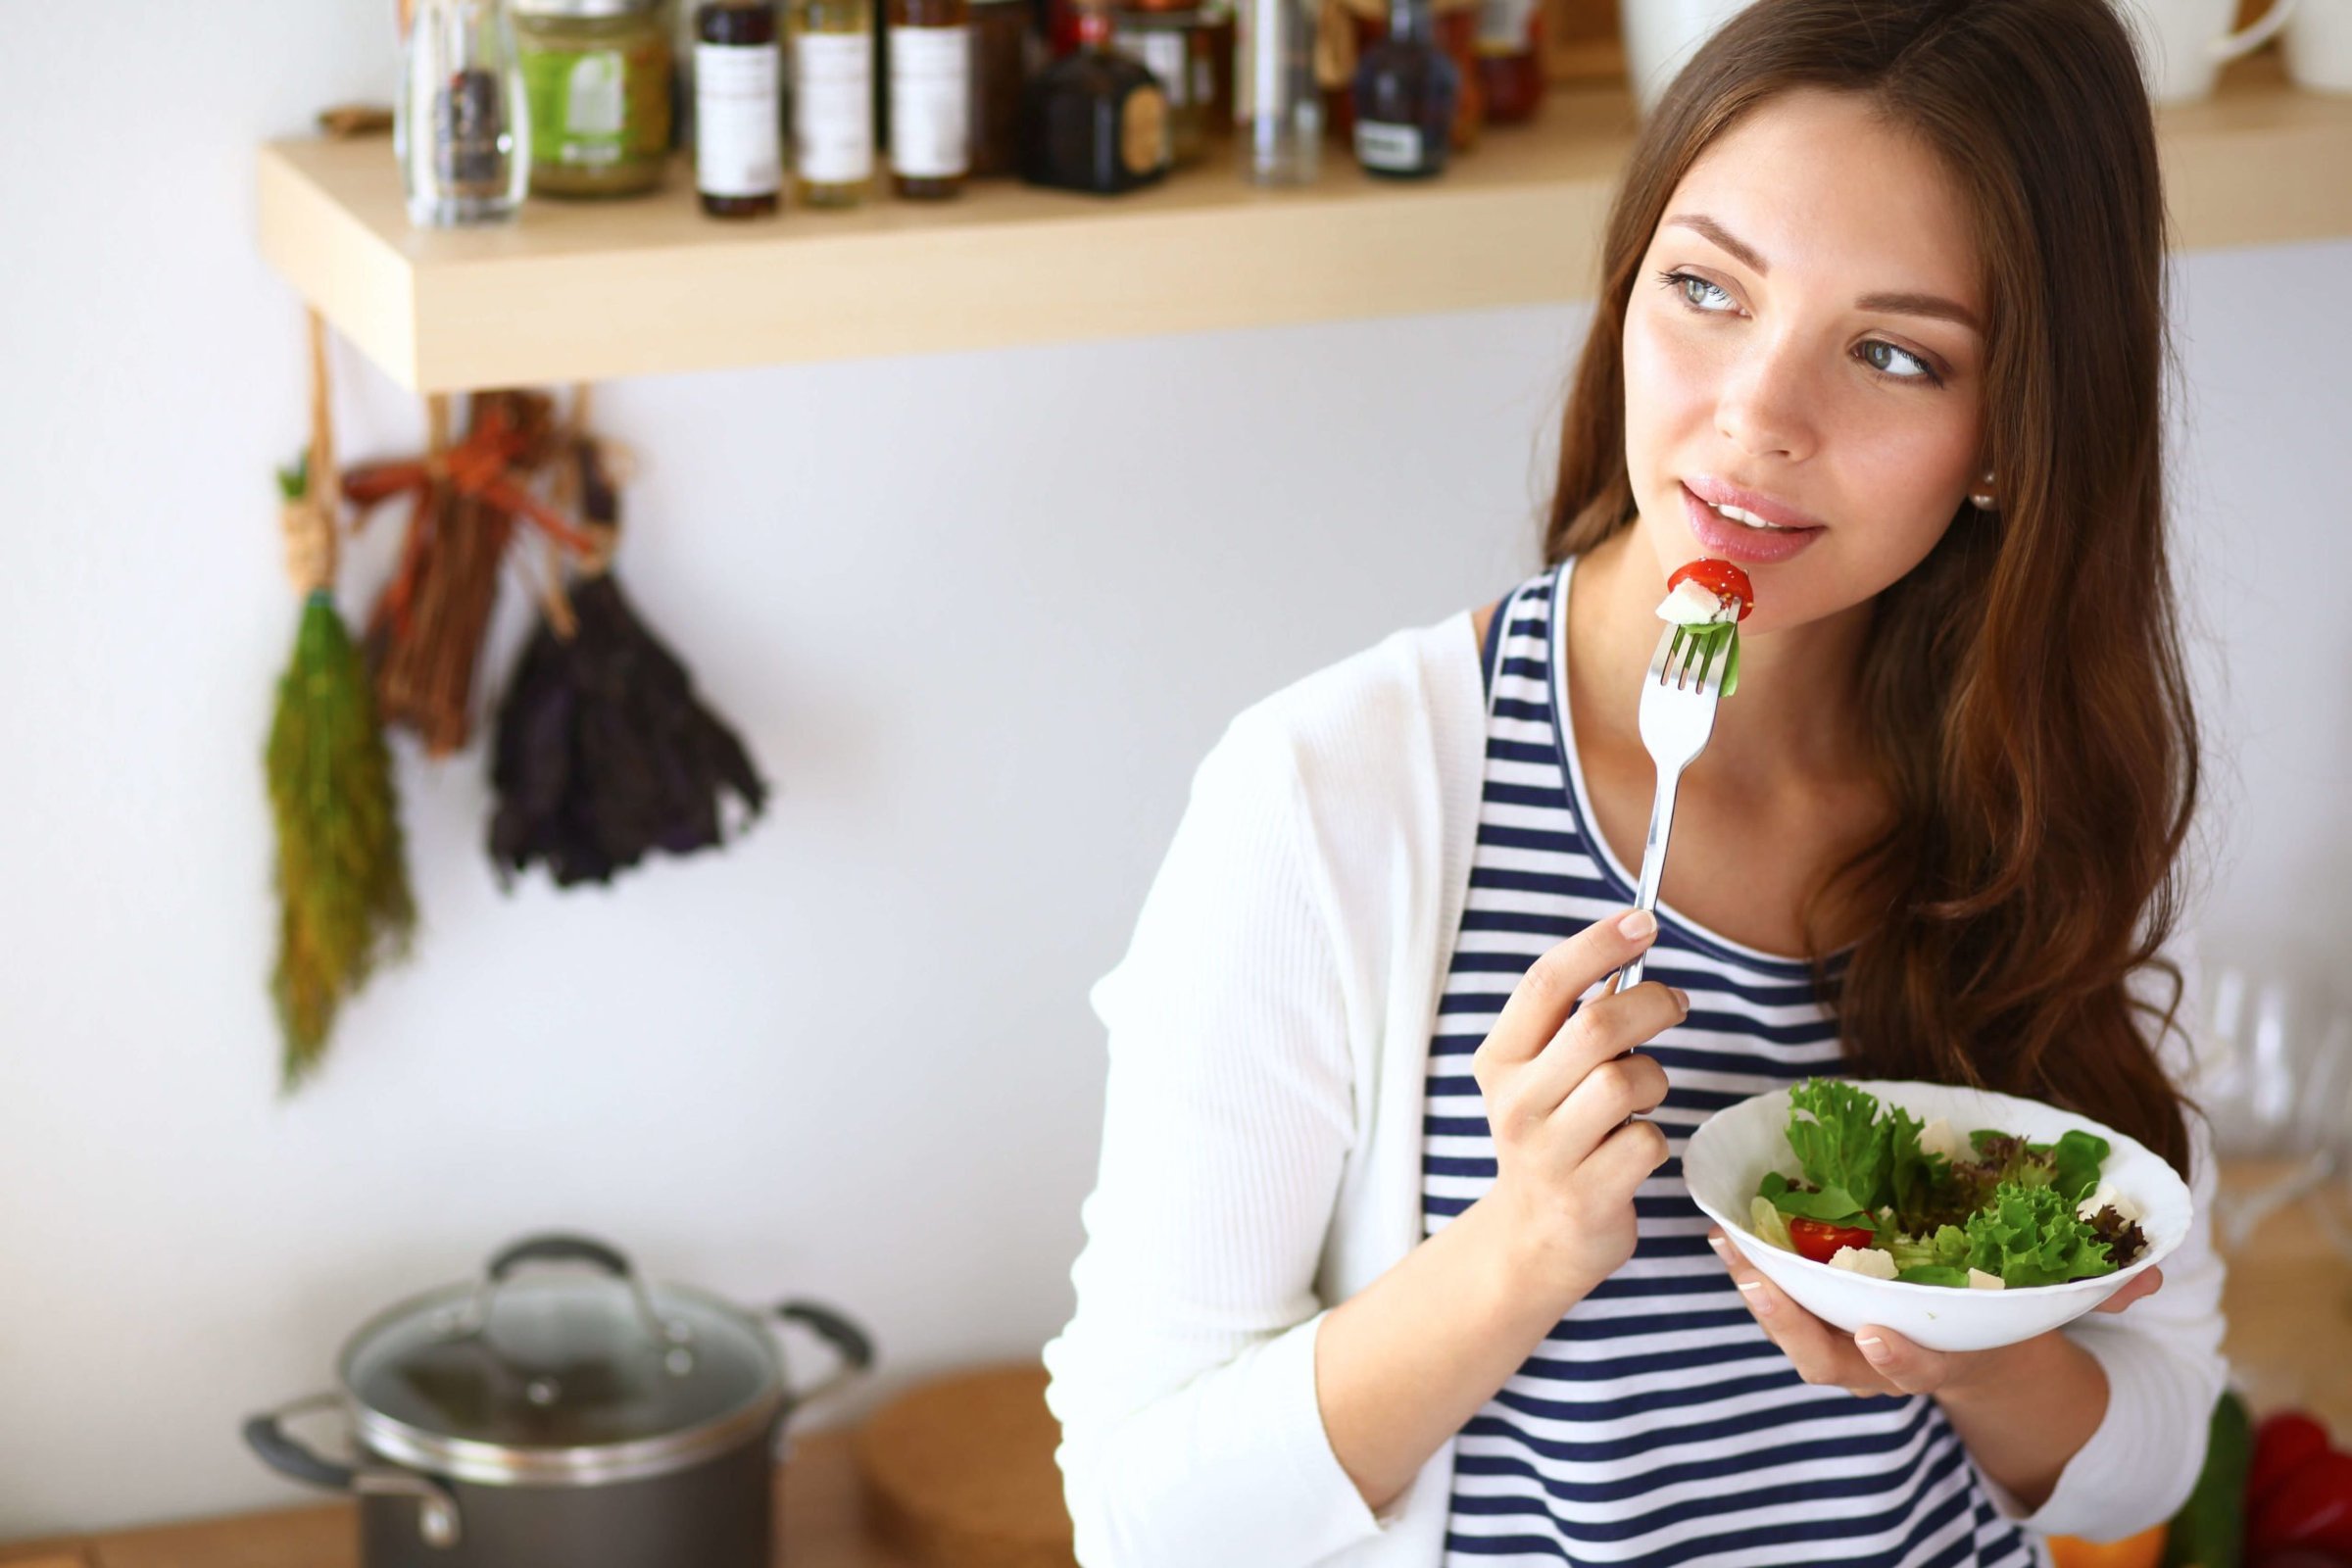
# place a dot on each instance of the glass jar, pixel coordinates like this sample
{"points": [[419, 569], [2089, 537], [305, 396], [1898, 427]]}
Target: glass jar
{"points": [[598, 77], [461, 128]]}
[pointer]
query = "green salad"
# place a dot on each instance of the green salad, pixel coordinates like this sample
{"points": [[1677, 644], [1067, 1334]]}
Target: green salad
{"points": [[1881, 1193]]}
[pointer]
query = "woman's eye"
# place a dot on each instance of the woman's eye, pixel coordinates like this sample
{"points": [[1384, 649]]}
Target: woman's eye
{"points": [[1898, 365], [1698, 292]]}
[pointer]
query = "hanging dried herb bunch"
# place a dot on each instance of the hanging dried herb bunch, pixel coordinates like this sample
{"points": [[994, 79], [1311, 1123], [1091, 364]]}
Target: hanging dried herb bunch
{"points": [[344, 904], [424, 635], [603, 751]]}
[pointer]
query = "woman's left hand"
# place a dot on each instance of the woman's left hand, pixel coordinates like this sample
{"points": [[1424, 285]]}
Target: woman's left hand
{"points": [[1874, 1360]]}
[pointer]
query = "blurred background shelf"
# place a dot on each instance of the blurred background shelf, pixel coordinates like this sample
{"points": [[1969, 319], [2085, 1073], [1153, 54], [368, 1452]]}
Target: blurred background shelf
{"points": [[586, 291]]}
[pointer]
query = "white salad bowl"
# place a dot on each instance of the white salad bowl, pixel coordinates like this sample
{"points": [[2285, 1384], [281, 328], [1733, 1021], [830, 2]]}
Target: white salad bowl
{"points": [[1730, 1152]]}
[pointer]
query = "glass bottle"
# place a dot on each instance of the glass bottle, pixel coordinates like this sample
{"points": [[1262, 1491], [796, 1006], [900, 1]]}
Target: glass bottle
{"points": [[1280, 108], [1004, 51], [930, 97], [833, 101], [1510, 59], [1405, 91], [1173, 46], [1096, 120], [738, 130], [462, 127]]}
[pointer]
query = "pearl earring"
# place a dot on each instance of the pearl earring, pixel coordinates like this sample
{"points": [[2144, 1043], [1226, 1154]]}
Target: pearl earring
{"points": [[1983, 500]]}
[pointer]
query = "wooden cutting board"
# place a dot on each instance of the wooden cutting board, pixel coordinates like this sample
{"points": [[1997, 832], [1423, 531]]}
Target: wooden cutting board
{"points": [[959, 1472]]}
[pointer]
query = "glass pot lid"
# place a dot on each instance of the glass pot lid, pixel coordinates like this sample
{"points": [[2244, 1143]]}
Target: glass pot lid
{"points": [[576, 1376]]}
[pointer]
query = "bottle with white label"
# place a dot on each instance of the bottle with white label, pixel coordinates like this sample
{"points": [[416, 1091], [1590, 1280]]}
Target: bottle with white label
{"points": [[930, 97], [738, 109], [1405, 90], [833, 101]]}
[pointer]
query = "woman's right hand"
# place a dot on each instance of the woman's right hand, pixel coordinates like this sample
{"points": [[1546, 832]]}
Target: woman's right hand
{"points": [[1560, 1082]]}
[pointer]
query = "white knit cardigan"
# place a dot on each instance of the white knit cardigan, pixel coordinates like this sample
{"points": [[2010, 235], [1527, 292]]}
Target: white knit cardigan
{"points": [[1268, 1033]]}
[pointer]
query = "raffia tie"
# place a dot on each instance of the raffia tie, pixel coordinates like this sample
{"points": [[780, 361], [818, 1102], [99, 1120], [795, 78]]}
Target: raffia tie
{"points": [[306, 525]]}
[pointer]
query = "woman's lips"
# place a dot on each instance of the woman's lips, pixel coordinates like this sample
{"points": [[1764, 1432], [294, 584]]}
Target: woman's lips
{"points": [[1734, 541]]}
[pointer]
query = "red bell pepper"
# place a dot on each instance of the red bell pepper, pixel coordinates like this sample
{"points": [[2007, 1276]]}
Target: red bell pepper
{"points": [[2282, 1443], [2310, 1506]]}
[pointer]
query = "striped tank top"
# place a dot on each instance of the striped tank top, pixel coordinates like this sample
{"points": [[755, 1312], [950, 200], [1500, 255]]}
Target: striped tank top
{"points": [[1656, 1424]]}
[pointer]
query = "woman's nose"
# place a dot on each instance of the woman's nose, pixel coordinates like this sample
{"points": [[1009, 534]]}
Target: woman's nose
{"points": [[1764, 403]]}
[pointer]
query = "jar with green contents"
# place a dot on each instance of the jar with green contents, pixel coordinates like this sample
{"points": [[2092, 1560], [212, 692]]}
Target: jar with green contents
{"points": [[598, 77]]}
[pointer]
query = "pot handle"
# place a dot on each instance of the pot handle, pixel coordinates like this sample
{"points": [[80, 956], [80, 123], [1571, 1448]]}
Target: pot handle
{"points": [[267, 1436], [562, 1247], [557, 1247], [855, 1347]]}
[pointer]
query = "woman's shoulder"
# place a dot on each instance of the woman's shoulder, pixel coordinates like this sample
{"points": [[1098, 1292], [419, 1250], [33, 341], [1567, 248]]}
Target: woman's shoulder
{"points": [[1400, 702]]}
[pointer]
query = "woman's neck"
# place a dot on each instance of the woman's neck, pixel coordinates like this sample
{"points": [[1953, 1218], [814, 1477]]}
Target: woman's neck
{"points": [[1796, 719]]}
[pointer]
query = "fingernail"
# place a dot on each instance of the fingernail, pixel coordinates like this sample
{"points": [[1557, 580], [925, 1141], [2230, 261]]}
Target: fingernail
{"points": [[1722, 1247], [1637, 925], [1758, 1302], [1873, 1348], [1681, 999]]}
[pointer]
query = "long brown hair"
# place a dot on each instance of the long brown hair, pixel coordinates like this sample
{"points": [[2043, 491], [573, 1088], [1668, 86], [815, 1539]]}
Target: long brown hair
{"points": [[2024, 685]]}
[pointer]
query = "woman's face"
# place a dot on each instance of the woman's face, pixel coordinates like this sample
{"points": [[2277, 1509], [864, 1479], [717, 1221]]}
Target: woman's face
{"points": [[1804, 341]]}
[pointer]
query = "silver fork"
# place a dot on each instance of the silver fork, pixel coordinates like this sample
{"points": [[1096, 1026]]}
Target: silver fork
{"points": [[1678, 714]]}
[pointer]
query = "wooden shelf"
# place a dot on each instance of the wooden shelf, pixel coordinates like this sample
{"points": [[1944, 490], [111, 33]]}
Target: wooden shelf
{"points": [[584, 291]]}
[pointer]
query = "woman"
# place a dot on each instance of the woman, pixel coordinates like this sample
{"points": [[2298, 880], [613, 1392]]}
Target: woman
{"points": [[1378, 1269]]}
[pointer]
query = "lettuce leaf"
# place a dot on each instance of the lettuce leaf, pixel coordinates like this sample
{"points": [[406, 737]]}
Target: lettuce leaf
{"points": [[2029, 1235], [1765, 1220], [2071, 1165], [1839, 1143], [1947, 1248], [2075, 1161], [1934, 1274], [1832, 1204], [1923, 1190]]}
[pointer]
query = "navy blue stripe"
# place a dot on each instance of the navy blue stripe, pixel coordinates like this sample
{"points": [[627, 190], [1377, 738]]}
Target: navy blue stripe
{"points": [[1617, 1451], [1621, 1489], [1625, 1527], [1521, 709]]}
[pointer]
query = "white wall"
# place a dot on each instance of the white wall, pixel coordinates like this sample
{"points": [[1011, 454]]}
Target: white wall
{"points": [[978, 616]]}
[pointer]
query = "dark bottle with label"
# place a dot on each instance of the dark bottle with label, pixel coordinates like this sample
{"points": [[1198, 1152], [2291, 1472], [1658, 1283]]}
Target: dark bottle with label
{"points": [[738, 109], [1510, 59], [1096, 120], [1405, 91]]}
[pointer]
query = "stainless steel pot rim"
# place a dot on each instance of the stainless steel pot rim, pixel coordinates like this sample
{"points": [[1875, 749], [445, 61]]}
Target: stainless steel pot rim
{"points": [[495, 1464], [501, 1464]]}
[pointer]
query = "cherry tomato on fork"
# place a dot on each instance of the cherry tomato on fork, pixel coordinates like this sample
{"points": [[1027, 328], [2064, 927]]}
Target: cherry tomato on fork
{"points": [[1720, 578]]}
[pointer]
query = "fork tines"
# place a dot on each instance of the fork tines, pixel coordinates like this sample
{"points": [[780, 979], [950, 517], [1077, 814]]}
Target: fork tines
{"points": [[1678, 651]]}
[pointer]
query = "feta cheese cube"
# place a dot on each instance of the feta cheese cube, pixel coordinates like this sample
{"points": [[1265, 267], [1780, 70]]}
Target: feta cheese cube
{"points": [[1691, 604], [1868, 1260], [1937, 1137], [2108, 1197], [1979, 1280]]}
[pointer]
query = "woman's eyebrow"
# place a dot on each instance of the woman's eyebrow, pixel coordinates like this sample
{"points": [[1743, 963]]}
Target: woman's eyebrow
{"points": [[1900, 304]]}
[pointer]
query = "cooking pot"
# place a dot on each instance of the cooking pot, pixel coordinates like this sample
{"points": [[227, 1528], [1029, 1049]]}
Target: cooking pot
{"points": [[537, 1417]]}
